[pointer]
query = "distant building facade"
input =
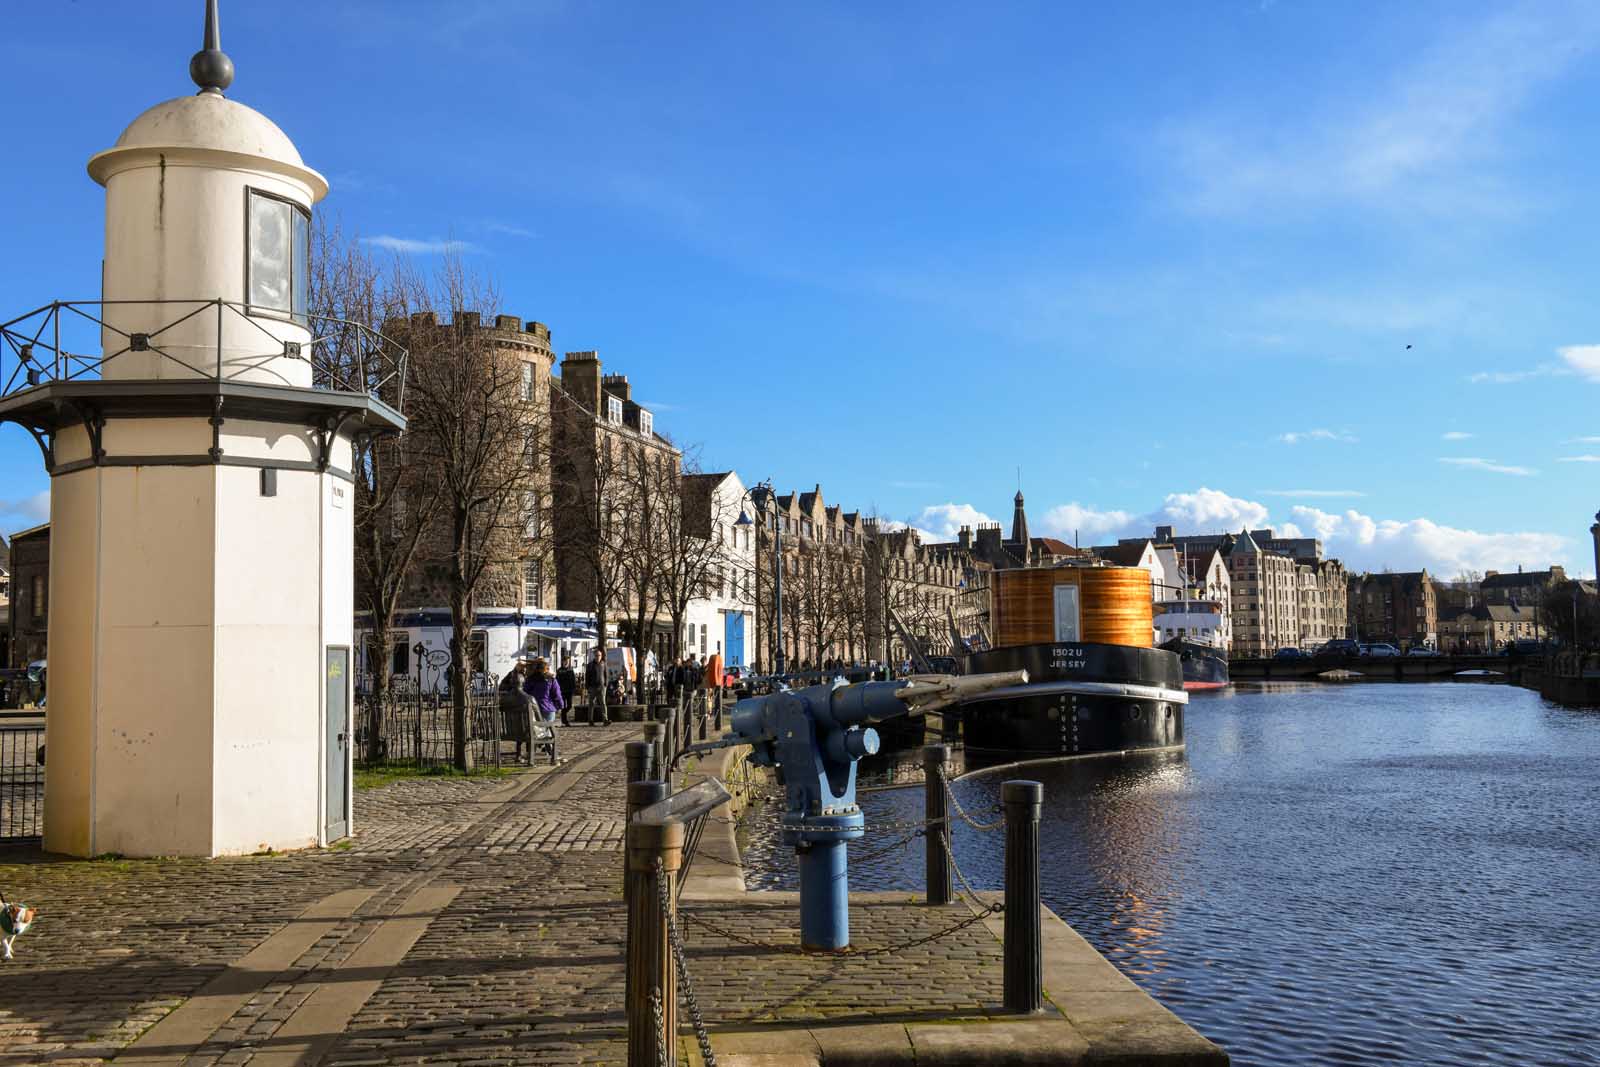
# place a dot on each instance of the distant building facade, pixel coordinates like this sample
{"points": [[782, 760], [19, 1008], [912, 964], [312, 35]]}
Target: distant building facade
{"points": [[30, 595], [1398, 608]]}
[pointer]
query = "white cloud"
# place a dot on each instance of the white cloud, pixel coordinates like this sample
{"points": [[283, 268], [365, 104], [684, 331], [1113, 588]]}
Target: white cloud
{"points": [[1583, 360], [1424, 139], [1365, 543], [1579, 459], [24, 512], [1209, 510], [1507, 377], [941, 522], [1311, 493], [1455, 435], [1316, 435], [1069, 521], [1474, 463], [412, 246]]}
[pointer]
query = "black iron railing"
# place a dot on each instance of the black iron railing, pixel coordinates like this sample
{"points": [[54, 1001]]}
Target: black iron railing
{"points": [[21, 783], [53, 344], [418, 730]]}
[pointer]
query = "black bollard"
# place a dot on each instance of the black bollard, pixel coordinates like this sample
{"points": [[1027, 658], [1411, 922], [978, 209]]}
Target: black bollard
{"points": [[639, 758], [936, 817], [652, 736], [669, 743], [651, 983], [643, 794], [1024, 951]]}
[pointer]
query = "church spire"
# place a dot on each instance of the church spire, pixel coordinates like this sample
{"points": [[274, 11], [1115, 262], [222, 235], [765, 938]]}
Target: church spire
{"points": [[210, 67], [1019, 525]]}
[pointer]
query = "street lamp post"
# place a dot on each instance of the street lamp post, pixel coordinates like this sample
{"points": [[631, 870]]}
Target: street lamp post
{"points": [[761, 494]]}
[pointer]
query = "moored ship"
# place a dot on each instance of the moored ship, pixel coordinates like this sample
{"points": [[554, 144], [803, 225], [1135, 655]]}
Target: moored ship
{"points": [[1095, 683], [1194, 630]]}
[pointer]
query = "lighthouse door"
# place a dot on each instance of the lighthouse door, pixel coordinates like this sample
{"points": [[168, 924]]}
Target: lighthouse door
{"points": [[336, 821]]}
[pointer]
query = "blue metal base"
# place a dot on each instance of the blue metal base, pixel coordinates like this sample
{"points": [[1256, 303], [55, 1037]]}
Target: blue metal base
{"points": [[824, 896]]}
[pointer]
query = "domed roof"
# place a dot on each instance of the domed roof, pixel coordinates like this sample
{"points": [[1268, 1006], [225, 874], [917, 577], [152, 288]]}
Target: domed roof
{"points": [[208, 122]]}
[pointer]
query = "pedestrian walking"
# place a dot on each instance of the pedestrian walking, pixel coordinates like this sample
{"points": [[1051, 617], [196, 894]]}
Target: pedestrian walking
{"points": [[567, 679], [544, 691]]}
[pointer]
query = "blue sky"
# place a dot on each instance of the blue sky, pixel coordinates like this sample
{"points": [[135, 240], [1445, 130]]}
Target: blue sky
{"points": [[1166, 258]]}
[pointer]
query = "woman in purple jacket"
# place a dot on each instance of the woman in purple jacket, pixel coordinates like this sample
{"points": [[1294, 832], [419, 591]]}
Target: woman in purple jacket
{"points": [[543, 689]]}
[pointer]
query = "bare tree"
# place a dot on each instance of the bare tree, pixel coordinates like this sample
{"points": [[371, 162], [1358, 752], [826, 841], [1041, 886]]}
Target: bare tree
{"points": [[649, 503], [472, 429], [349, 290], [589, 512]]}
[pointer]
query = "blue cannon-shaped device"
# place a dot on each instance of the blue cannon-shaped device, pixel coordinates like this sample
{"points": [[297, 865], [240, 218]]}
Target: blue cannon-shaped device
{"points": [[813, 737]]}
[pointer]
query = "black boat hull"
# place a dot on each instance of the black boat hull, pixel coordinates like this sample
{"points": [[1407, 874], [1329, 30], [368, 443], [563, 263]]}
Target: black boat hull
{"points": [[1080, 699], [1204, 667]]}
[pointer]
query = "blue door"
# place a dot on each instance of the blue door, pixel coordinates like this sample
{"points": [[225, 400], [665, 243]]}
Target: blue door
{"points": [[733, 639]]}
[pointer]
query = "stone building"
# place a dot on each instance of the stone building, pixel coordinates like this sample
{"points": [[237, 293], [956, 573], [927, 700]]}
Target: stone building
{"points": [[1399, 608], [1524, 589], [5, 603], [1486, 628], [1323, 602], [921, 584], [606, 440], [29, 609], [1266, 598], [521, 574]]}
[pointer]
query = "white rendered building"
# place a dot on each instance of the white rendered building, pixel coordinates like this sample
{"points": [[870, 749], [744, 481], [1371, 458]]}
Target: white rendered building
{"points": [[722, 620], [201, 499]]}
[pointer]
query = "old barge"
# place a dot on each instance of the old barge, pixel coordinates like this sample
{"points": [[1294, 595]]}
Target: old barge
{"points": [[1095, 683]]}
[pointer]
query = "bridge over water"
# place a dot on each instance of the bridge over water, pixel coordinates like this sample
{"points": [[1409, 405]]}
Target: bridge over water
{"points": [[1386, 668]]}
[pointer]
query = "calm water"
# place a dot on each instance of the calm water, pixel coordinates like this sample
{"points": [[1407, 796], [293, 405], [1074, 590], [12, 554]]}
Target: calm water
{"points": [[1352, 874]]}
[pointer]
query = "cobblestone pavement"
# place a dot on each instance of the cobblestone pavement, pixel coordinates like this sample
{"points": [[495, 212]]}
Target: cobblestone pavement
{"points": [[522, 965]]}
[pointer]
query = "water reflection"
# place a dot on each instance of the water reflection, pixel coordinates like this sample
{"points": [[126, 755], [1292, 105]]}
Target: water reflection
{"points": [[1356, 874]]}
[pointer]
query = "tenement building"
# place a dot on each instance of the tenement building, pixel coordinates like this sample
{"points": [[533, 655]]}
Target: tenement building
{"points": [[30, 595], [1398, 608], [1266, 598]]}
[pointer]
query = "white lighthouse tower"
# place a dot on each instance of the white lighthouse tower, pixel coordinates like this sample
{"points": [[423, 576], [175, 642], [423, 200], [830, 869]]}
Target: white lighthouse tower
{"points": [[201, 497]]}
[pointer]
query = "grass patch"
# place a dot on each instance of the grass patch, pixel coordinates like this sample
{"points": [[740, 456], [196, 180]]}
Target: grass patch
{"points": [[378, 777]]}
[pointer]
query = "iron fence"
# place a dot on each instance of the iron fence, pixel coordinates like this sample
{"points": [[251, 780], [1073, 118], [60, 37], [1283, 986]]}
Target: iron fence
{"points": [[21, 783], [56, 342], [418, 730]]}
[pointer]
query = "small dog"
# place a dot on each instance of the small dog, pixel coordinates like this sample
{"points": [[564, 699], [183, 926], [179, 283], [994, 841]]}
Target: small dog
{"points": [[14, 922]]}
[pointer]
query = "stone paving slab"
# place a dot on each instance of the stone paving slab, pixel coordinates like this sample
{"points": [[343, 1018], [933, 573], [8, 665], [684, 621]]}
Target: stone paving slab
{"points": [[481, 922]]}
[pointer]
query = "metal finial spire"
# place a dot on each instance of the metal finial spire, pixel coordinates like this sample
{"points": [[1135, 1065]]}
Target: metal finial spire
{"points": [[211, 68]]}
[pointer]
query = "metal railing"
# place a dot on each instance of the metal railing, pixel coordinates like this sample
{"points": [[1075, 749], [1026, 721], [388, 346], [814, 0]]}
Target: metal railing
{"points": [[51, 344], [21, 783], [418, 730]]}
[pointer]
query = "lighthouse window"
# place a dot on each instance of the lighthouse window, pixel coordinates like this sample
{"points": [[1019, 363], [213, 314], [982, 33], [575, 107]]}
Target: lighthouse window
{"points": [[278, 246]]}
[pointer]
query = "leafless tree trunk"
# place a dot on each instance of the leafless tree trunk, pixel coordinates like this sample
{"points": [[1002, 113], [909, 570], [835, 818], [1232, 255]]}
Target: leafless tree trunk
{"points": [[349, 286], [472, 429]]}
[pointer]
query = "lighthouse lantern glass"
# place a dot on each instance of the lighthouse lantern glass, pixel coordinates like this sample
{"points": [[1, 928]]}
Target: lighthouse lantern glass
{"points": [[278, 243]]}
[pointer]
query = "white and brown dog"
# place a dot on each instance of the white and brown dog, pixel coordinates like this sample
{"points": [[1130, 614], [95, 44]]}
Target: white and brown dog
{"points": [[14, 922]]}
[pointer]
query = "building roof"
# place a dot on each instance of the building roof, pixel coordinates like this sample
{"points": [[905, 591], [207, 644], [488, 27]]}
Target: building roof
{"points": [[1245, 543], [1056, 547], [1516, 579], [1125, 555], [32, 531]]}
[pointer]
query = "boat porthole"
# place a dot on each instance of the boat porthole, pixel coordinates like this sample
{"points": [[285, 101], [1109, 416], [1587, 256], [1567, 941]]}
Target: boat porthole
{"points": [[1135, 712], [1169, 710], [1055, 713]]}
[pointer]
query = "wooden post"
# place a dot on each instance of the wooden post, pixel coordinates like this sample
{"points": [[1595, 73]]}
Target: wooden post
{"points": [[651, 978], [1024, 951], [936, 817]]}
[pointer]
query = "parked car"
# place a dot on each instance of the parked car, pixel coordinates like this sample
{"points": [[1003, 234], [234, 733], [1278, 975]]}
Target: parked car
{"points": [[1289, 653], [1525, 646], [1421, 651], [1340, 646], [1379, 649]]}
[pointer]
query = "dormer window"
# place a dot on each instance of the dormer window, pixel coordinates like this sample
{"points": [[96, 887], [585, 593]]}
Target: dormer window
{"points": [[646, 421], [614, 410], [277, 254]]}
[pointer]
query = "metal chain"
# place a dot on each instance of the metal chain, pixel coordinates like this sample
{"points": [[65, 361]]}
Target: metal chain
{"points": [[661, 1029], [848, 952], [685, 983], [968, 819]]}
